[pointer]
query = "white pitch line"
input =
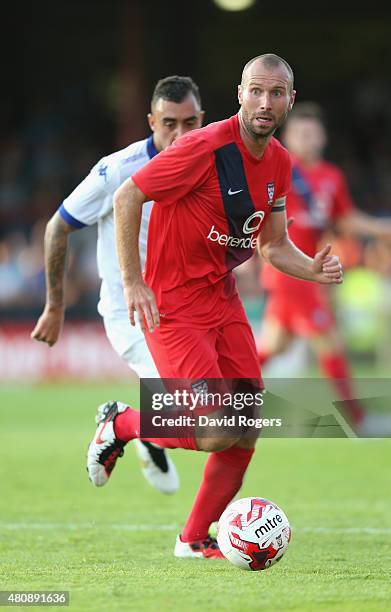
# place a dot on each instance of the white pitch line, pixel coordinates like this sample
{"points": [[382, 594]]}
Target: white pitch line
{"points": [[76, 526], [342, 530], [173, 527]]}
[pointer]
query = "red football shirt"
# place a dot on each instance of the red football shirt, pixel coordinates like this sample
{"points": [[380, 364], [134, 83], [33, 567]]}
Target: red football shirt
{"points": [[212, 198], [318, 196]]}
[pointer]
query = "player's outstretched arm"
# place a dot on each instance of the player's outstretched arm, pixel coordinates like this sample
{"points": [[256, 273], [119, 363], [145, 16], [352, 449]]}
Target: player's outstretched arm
{"points": [[277, 249], [128, 202], [49, 324], [361, 224]]}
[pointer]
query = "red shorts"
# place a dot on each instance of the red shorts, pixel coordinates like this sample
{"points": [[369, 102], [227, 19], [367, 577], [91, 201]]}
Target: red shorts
{"points": [[227, 351], [305, 310], [208, 360]]}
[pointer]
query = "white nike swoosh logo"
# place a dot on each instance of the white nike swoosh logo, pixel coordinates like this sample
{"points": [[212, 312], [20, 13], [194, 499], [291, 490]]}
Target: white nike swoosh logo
{"points": [[230, 192]]}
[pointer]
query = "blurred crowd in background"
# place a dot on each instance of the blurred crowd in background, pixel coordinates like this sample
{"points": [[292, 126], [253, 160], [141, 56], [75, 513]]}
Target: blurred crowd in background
{"points": [[41, 162], [51, 146]]}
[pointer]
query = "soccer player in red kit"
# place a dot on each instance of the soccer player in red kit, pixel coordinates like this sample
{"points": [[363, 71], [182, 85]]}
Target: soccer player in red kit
{"points": [[218, 193], [319, 198]]}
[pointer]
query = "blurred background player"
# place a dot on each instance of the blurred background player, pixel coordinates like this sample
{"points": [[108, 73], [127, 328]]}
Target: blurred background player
{"points": [[319, 199], [175, 110]]}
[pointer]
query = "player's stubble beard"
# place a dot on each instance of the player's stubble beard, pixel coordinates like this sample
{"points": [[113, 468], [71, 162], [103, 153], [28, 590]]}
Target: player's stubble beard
{"points": [[262, 135]]}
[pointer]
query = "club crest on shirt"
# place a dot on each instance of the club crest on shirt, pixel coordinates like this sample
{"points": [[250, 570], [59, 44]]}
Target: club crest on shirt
{"points": [[270, 193]]}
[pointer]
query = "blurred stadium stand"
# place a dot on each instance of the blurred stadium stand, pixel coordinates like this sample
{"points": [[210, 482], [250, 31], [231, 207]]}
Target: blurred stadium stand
{"points": [[78, 87]]}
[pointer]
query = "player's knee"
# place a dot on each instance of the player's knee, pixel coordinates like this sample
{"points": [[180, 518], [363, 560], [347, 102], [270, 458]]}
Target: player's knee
{"points": [[248, 441], [211, 445]]}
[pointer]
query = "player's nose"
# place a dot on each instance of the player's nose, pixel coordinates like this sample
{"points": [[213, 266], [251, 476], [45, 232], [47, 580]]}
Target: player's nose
{"points": [[180, 130], [265, 101]]}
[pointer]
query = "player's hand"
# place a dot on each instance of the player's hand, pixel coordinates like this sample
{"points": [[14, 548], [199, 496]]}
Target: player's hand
{"points": [[49, 325], [141, 299], [327, 268]]}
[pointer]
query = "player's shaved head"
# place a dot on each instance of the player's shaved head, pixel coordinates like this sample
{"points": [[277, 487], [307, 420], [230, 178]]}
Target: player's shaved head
{"points": [[269, 61]]}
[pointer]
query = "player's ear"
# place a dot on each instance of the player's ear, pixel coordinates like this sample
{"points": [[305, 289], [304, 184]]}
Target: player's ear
{"points": [[151, 121], [292, 99], [240, 94], [202, 117]]}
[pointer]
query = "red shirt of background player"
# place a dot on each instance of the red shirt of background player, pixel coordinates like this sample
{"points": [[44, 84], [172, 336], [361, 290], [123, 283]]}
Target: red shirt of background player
{"points": [[314, 205], [212, 198]]}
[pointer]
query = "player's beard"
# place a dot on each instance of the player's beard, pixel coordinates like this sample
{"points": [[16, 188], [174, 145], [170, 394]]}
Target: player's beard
{"points": [[260, 132]]}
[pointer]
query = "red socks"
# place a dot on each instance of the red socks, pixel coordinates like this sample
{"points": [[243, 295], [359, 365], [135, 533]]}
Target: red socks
{"points": [[336, 367], [222, 479], [127, 427]]}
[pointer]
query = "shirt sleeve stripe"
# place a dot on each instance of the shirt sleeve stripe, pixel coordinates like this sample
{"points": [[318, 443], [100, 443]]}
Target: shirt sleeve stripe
{"points": [[69, 219]]}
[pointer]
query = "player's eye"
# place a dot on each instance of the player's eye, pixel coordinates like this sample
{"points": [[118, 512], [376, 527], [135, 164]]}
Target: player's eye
{"points": [[255, 91]]}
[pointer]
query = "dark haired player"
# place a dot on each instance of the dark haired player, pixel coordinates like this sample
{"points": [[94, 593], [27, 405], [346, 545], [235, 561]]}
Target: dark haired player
{"points": [[175, 110]]}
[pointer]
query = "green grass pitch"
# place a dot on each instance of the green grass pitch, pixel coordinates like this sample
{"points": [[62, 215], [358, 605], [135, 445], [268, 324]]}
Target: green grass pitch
{"points": [[112, 547]]}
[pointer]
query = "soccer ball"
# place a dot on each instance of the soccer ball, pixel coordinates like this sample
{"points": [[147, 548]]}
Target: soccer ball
{"points": [[253, 533]]}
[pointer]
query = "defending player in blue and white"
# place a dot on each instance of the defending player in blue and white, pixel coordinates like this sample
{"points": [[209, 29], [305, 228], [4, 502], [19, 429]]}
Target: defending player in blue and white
{"points": [[175, 110]]}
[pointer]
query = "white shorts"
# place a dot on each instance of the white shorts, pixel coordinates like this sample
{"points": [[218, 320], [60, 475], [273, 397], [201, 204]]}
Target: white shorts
{"points": [[129, 342]]}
